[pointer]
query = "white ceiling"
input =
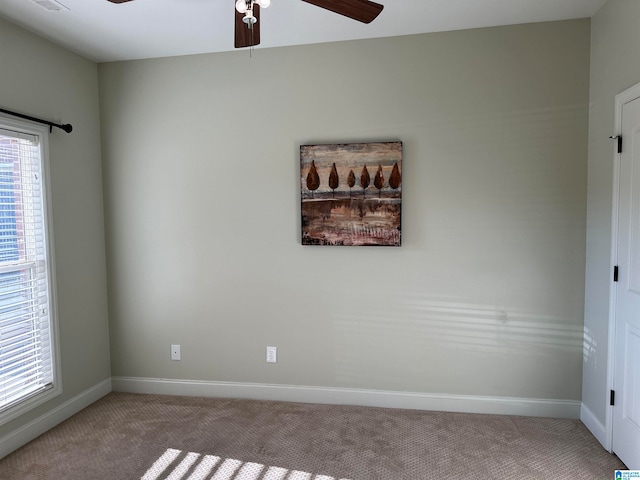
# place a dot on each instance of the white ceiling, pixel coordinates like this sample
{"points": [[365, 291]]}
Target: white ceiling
{"points": [[103, 31]]}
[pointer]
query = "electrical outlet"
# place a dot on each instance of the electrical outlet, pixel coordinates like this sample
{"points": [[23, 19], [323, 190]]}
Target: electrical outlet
{"points": [[272, 354], [175, 352]]}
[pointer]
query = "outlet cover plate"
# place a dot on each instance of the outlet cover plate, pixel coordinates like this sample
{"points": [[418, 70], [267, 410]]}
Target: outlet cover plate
{"points": [[272, 354], [175, 352]]}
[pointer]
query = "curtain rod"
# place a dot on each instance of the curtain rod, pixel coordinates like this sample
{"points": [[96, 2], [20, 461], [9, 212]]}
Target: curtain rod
{"points": [[66, 127]]}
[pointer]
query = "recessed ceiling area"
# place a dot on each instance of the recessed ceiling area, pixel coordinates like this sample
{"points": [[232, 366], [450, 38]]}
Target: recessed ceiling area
{"points": [[103, 31]]}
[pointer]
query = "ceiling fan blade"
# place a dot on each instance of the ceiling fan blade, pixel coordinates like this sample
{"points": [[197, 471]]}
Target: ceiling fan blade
{"points": [[118, 1], [245, 36], [363, 11]]}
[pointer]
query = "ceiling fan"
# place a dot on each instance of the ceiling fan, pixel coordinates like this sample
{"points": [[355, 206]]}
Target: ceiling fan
{"points": [[247, 15]]}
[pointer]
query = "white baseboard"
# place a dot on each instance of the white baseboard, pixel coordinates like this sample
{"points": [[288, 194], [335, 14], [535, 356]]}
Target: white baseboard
{"points": [[533, 407], [293, 393], [595, 427], [40, 425]]}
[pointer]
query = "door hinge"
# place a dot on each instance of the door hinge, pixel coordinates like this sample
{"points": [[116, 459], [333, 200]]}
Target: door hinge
{"points": [[615, 273], [618, 139], [612, 397]]}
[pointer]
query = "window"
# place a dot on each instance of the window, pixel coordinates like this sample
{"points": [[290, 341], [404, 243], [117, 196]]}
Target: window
{"points": [[28, 353]]}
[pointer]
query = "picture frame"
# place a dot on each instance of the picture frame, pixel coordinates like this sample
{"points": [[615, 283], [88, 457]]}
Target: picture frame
{"points": [[351, 194]]}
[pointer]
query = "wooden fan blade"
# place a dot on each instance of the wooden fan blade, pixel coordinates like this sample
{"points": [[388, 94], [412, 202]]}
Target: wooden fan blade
{"points": [[118, 1], [363, 11], [245, 36]]}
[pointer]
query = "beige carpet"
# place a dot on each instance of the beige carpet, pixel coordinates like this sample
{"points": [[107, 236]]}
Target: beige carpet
{"points": [[126, 436]]}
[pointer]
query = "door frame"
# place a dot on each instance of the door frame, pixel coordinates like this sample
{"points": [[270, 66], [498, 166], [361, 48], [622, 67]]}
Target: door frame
{"points": [[622, 98]]}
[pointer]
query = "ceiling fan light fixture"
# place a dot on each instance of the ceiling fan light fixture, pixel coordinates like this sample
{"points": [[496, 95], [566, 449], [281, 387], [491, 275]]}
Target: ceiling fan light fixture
{"points": [[249, 19], [241, 6]]}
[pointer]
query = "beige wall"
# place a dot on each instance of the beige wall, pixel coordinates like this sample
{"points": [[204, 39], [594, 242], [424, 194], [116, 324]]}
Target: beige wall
{"points": [[485, 296], [44, 80], [615, 66]]}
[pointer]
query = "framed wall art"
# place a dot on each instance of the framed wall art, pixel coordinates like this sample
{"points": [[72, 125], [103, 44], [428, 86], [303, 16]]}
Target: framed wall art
{"points": [[351, 194]]}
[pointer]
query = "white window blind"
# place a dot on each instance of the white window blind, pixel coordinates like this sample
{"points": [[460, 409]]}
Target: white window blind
{"points": [[26, 352]]}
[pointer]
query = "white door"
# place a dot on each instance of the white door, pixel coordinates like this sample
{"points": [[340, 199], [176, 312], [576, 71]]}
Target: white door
{"points": [[626, 379]]}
